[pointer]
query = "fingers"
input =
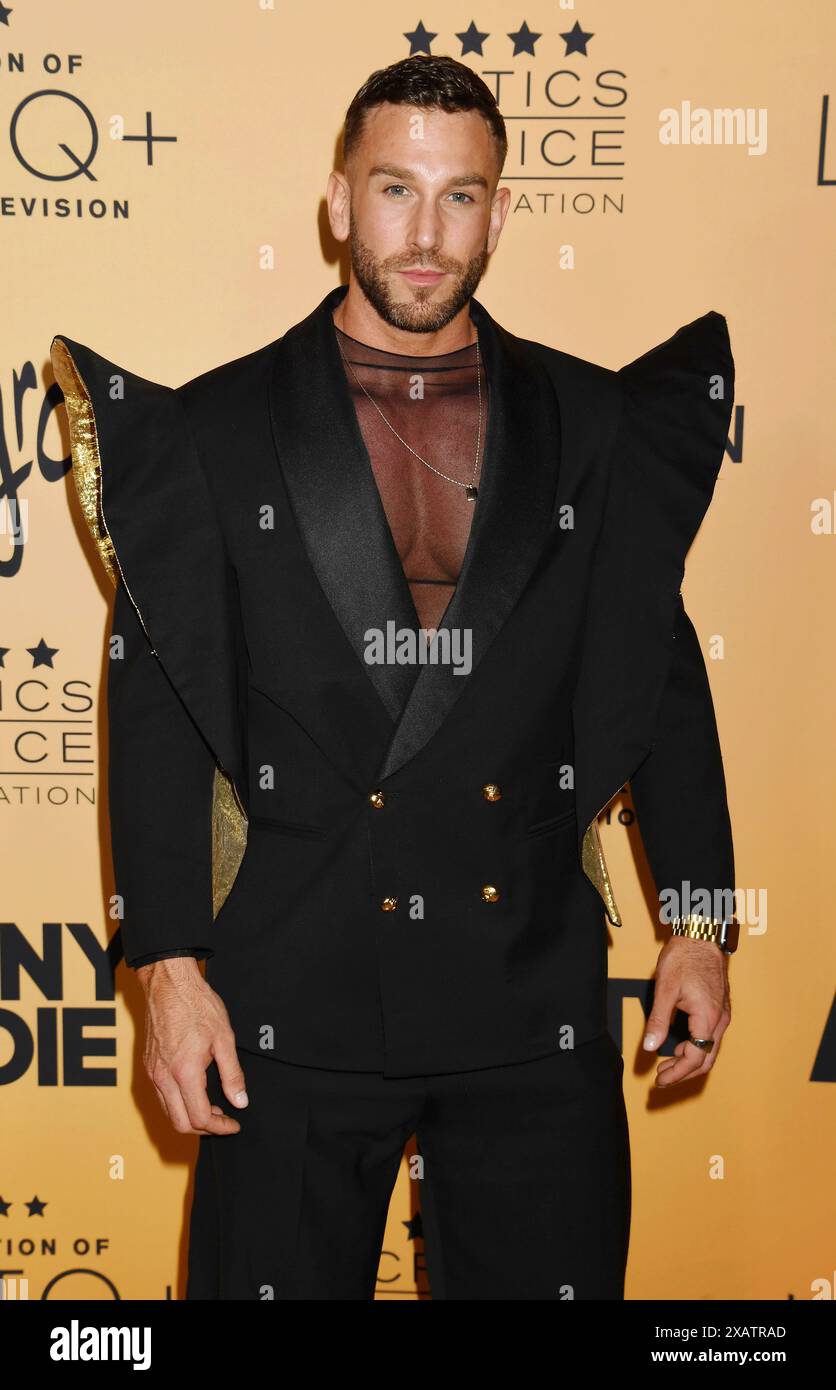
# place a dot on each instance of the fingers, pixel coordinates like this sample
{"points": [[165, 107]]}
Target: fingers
{"points": [[659, 1022], [191, 1080], [185, 1102], [711, 1057], [688, 1060], [229, 1069]]}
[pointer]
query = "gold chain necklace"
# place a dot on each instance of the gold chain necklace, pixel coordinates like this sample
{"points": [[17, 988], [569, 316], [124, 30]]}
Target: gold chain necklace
{"points": [[471, 491]]}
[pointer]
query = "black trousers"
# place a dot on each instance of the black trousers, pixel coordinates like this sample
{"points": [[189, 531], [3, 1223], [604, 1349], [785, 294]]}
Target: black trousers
{"points": [[525, 1192]]}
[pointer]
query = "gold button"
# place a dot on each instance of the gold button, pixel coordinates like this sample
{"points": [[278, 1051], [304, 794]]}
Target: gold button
{"points": [[377, 799], [388, 904], [491, 791], [489, 893]]}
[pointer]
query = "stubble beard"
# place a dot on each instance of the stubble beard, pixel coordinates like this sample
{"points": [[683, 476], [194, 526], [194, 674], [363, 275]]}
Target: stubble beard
{"points": [[420, 314]]}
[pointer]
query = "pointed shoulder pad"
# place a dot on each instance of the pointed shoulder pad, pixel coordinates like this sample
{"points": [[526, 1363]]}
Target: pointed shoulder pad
{"points": [[676, 409], [151, 513], [677, 403], [115, 418]]}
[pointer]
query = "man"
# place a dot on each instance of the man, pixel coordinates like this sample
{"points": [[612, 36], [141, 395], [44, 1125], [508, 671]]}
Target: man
{"points": [[383, 841]]}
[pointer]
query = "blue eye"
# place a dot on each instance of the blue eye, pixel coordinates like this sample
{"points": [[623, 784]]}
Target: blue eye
{"points": [[457, 194]]}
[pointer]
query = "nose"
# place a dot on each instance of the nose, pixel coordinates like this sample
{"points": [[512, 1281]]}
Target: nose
{"points": [[425, 229]]}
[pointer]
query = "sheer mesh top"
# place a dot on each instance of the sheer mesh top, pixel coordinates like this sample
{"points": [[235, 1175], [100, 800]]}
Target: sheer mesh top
{"points": [[433, 403]]}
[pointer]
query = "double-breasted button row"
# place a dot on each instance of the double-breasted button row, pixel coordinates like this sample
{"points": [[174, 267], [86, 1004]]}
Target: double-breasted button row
{"points": [[490, 791], [377, 800], [489, 893]]}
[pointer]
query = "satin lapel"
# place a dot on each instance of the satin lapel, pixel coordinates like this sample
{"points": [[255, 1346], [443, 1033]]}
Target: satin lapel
{"points": [[512, 518], [334, 495]]}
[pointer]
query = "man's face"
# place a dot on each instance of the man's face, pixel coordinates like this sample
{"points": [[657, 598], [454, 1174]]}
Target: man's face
{"points": [[421, 212]]}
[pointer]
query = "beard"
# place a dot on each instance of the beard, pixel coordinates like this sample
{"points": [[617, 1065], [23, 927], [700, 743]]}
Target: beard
{"points": [[421, 313]]}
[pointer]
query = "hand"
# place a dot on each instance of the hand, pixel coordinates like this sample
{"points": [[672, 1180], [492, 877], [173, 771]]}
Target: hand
{"points": [[692, 976], [186, 1027]]}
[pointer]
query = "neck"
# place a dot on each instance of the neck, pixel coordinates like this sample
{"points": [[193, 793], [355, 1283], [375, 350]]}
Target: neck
{"points": [[358, 318]]}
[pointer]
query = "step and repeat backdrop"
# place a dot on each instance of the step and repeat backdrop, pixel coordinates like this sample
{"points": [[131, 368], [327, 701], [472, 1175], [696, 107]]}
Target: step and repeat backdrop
{"points": [[161, 200]]}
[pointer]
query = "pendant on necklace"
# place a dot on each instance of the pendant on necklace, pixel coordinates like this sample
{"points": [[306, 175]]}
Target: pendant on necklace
{"points": [[471, 493]]}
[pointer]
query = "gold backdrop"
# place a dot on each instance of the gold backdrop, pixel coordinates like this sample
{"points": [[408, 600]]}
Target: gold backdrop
{"points": [[162, 201]]}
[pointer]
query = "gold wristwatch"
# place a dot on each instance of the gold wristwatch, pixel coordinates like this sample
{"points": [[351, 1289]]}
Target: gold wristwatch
{"points": [[724, 931]]}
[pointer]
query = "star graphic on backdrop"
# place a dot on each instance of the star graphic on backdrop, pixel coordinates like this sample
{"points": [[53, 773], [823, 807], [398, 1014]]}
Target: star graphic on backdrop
{"points": [[42, 654], [576, 40], [3, 651], [420, 39], [4, 14], [36, 1207], [4, 1207], [524, 40], [415, 1227], [472, 40]]}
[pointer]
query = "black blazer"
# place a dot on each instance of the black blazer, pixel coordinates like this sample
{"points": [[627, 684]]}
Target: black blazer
{"points": [[396, 867]]}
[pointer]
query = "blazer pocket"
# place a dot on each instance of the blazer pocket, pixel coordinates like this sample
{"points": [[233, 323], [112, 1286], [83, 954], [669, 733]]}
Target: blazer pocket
{"points": [[289, 827], [545, 827]]}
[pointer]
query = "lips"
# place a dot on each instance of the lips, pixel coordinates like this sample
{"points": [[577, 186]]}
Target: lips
{"points": [[424, 277]]}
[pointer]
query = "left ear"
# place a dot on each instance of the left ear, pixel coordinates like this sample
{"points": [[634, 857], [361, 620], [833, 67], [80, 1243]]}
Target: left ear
{"points": [[338, 200], [499, 211]]}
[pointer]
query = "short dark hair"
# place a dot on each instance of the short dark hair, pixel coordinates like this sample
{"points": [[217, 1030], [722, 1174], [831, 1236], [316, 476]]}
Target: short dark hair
{"points": [[433, 83]]}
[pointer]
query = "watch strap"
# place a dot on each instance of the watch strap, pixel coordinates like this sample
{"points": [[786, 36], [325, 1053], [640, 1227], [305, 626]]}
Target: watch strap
{"points": [[723, 931]]}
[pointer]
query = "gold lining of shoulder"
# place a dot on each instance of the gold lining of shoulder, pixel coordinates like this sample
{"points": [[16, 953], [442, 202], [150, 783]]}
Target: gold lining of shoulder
{"points": [[229, 820], [595, 868], [84, 447], [229, 837]]}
